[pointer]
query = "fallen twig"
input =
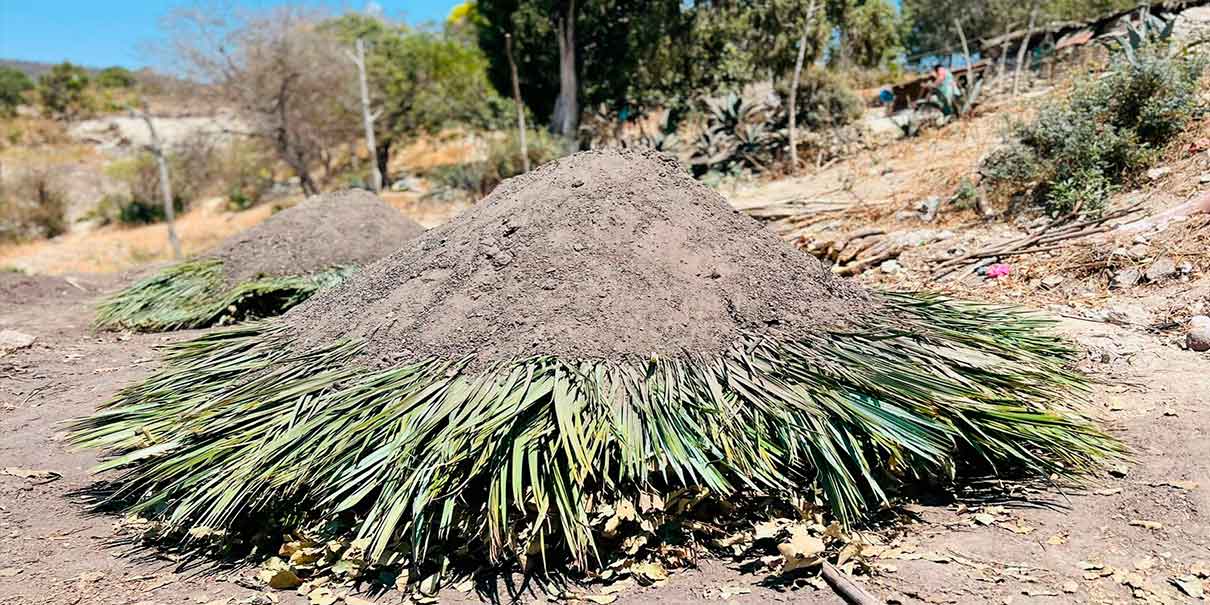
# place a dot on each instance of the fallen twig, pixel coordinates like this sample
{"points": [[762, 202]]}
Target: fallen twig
{"points": [[850, 591], [1061, 229]]}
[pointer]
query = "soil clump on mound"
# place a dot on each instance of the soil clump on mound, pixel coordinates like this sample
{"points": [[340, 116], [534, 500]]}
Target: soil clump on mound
{"points": [[345, 228], [597, 255]]}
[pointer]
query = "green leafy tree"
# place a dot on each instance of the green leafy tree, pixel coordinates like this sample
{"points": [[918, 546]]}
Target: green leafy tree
{"points": [[116, 77], [872, 34], [13, 86], [64, 90], [421, 81]]}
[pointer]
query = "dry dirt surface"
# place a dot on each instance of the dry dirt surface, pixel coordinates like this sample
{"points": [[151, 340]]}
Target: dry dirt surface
{"points": [[1124, 538]]}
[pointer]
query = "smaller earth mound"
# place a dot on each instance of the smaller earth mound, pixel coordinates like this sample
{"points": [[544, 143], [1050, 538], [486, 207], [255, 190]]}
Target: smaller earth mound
{"points": [[267, 269], [346, 228]]}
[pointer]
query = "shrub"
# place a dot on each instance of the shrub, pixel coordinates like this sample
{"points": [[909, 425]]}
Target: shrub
{"points": [[13, 86], [64, 91], [116, 77], [1076, 153], [33, 206], [192, 169], [503, 161], [824, 100]]}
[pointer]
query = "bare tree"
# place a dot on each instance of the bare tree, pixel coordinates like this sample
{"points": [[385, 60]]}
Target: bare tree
{"points": [[802, 51], [359, 59], [283, 76], [1029, 33], [512, 66], [156, 147], [566, 117]]}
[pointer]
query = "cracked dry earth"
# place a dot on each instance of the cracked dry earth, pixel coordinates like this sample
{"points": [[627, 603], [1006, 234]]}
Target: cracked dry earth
{"points": [[1122, 540]]}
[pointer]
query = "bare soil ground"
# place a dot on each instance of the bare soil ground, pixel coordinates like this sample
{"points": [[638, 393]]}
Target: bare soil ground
{"points": [[1131, 537], [1123, 538]]}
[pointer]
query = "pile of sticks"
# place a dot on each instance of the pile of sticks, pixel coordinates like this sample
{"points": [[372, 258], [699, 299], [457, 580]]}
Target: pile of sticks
{"points": [[1044, 239]]}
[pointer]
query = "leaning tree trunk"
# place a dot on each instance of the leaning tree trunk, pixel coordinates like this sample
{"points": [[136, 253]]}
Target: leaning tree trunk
{"points": [[359, 60], [566, 117], [157, 150], [512, 67], [802, 50], [1029, 33], [382, 155]]}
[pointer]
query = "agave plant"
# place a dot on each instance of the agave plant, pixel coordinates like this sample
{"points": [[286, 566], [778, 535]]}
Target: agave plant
{"points": [[1151, 30]]}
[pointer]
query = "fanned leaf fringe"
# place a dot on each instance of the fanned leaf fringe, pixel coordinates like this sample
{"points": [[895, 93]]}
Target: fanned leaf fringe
{"points": [[194, 294], [236, 428]]}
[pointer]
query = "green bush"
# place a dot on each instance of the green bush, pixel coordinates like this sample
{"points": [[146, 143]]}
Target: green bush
{"points": [[824, 100], [116, 77], [503, 161], [1074, 154], [192, 169], [64, 91], [13, 86], [32, 206]]}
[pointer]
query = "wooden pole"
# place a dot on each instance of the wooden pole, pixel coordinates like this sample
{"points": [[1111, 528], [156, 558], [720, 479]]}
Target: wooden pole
{"points": [[157, 150], [359, 59], [1029, 33], [802, 50], [970, 72], [512, 67]]}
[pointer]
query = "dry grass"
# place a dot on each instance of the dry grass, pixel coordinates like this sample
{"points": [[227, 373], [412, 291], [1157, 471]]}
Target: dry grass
{"points": [[115, 248], [449, 147]]}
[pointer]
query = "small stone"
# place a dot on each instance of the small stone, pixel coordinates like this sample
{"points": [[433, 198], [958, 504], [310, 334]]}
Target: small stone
{"points": [[1198, 337], [12, 340], [1051, 282], [928, 209], [1126, 278], [1158, 173], [1163, 268], [890, 267], [1204, 178]]}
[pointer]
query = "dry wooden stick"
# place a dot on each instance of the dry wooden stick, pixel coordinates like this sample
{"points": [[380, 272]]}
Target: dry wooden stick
{"points": [[850, 591]]}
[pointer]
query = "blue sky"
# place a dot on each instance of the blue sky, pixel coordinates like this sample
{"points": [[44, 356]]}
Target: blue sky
{"points": [[100, 33]]}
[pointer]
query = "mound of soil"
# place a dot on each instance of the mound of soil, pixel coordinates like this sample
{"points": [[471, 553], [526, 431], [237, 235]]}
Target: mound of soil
{"points": [[596, 255], [347, 228]]}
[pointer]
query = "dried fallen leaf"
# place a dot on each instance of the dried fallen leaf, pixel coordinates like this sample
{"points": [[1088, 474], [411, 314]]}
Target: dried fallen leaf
{"points": [[1185, 485], [1108, 492], [1146, 524], [801, 550], [1057, 539], [984, 518], [322, 596], [30, 473], [1144, 564], [9, 572], [280, 579], [649, 573], [1190, 585], [600, 599], [1070, 587]]}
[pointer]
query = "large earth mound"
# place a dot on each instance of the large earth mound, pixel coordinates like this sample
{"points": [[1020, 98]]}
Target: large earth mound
{"points": [[346, 228], [596, 255]]}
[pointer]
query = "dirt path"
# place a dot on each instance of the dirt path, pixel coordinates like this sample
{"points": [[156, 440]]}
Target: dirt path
{"points": [[1136, 530]]}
